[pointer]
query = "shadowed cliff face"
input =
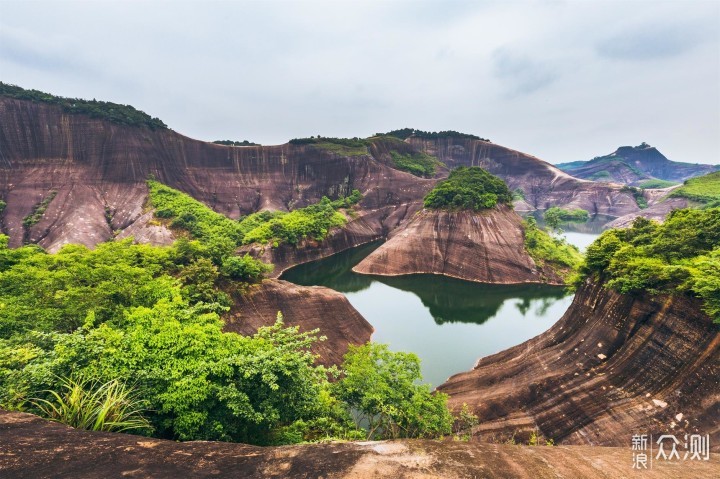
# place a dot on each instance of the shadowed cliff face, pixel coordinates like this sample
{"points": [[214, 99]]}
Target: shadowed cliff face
{"points": [[485, 246], [542, 184], [97, 171], [308, 307], [613, 366]]}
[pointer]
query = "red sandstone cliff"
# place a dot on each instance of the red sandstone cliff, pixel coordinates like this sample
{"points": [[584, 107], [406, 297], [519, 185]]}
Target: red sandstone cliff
{"points": [[612, 366], [309, 307], [485, 246]]}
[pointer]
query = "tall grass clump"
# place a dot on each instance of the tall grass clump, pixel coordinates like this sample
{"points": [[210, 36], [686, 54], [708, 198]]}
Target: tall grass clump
{"points": [[88, 404]]}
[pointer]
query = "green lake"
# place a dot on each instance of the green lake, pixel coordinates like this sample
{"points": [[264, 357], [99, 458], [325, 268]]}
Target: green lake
{"points": [[448, 323]]}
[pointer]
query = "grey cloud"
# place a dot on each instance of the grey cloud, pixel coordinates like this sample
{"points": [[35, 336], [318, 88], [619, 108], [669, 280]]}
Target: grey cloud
{"points": [[651, 42], [520, 74]]}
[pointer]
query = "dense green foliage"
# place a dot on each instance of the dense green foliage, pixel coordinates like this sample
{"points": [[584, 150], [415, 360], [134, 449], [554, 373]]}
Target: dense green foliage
{"points": [[682, 255], [141, 324], [418, 164], [221, 235], [341, 146], [121, 114], [656, 183], [2, 206], [235, 143], [702, 189], [314, 221], [470, 188], [383, 390], [39, 210], [545, 250], [555, 216], [405, 133]]}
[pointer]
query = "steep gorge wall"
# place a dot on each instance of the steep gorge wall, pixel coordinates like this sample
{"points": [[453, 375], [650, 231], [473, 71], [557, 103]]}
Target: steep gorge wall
{"points": [[98, 169], [612, 366]]}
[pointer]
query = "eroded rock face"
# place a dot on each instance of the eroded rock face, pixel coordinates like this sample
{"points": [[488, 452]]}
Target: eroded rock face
{"points": [[542, 184], [97, 171], [485, 246], [309, 307], [33, 448], [612, 366]]}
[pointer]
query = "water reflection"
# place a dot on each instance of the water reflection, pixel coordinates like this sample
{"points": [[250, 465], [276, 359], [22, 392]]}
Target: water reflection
{"points": [[448, 323], [452, 300]]}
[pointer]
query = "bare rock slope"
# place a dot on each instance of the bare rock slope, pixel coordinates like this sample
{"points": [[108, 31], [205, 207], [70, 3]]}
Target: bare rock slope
{"points": [[485, 246], [33, 448], [612, 366], [309, 307]]}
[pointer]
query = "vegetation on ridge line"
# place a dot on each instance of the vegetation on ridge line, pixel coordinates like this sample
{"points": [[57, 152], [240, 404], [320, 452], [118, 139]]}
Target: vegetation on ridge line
{"points": [[468, 188], [702, 189], [113, 112], [405, 133], [681, 255], [235, 143]]}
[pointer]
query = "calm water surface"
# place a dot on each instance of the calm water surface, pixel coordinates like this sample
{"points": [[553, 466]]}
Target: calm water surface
{"points": [[447, 322]]}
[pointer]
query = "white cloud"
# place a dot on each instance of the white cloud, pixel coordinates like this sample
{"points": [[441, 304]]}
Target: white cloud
{"points": [[561, 80]]}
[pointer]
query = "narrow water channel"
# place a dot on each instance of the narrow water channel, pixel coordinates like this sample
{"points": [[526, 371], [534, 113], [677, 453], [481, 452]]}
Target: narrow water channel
{"points": [[447, 322]]}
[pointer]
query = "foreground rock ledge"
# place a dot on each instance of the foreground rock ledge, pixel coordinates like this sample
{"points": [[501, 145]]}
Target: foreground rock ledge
{"points": [[33, 448]]}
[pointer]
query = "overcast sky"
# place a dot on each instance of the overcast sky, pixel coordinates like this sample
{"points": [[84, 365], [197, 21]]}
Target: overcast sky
{"points": [[562, 80]]}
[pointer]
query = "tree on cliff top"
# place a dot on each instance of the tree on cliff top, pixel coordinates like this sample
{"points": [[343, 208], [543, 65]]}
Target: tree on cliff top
{"points": [[468, 188]]}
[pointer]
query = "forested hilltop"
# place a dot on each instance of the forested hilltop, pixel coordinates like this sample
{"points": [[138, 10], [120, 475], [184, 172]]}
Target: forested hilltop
{"points": [[113, 112]]}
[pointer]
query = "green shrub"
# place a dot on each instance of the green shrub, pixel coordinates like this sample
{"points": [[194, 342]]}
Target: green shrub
{"points": [[470, 188], [382, 390], [555, 216], [545, 250], [418, 164], [235, 143], [405, 133], [680, 255], [39, 210]]}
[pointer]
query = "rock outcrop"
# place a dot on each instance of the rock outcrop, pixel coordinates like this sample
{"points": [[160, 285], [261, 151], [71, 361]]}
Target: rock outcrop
{"points": [[32, 448], [309, 307], [541, 184], [485, 246], [612, 366]]}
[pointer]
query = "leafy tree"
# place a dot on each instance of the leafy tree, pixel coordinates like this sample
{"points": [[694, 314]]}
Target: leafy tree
{"points": [[381, 388], [468, 188]]}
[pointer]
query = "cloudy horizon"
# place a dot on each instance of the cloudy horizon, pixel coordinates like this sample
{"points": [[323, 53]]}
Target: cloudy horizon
{"points": [[560, 80]]}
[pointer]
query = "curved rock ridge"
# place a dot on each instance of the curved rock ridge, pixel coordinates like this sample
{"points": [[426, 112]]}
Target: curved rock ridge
{"points": [[612, 366], [309, 307], [97, 172], [486, 246], [543, 185], [365, 227], [33, 448]]}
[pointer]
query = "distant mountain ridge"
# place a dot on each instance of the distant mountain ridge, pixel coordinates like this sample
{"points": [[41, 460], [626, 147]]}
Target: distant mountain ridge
{"points": [[641, 165]]}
